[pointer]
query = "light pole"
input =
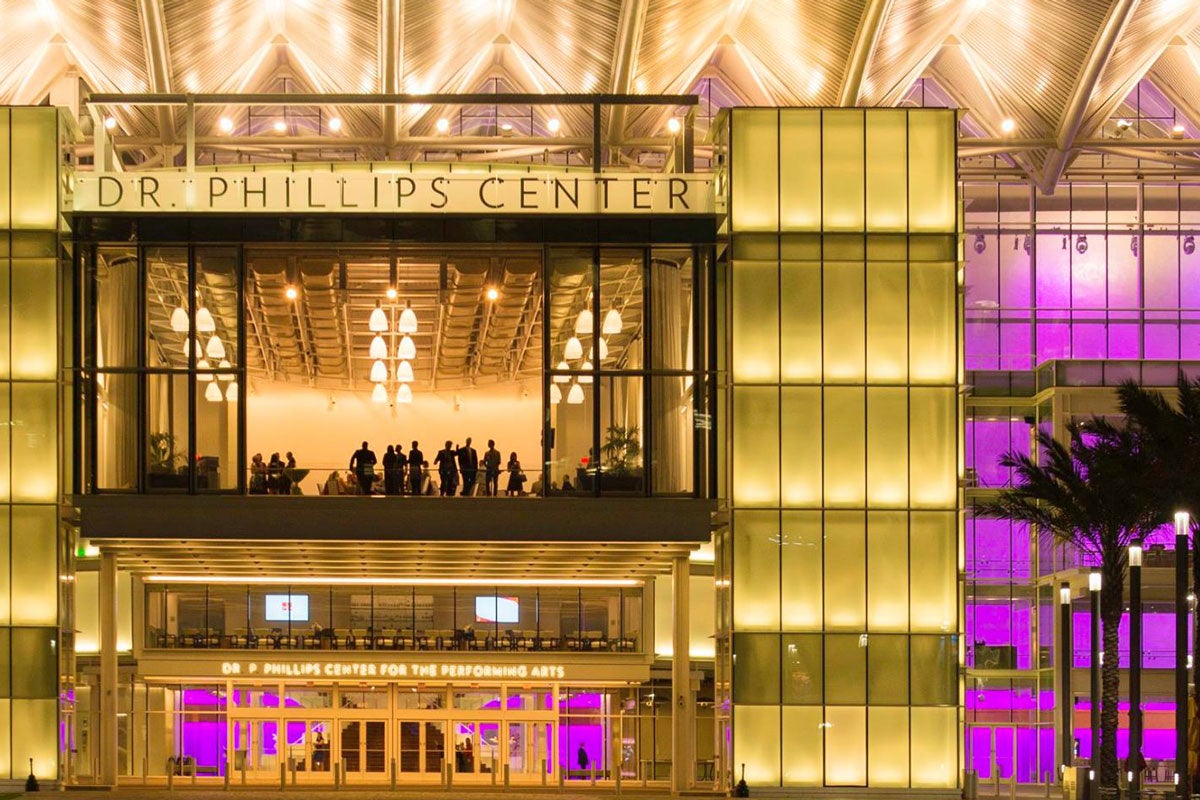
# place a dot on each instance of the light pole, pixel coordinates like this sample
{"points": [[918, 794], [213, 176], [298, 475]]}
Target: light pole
{"points": [[1094, 598], [1135, 668], [1182, 523], [1067, 747]]}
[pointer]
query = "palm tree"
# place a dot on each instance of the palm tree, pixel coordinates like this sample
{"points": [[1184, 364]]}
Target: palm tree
{"points": [[1088, 494]]}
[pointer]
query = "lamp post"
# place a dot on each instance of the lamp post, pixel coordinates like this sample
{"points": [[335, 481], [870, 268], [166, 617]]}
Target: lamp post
{"points": [[1094, 673], [1067, 747], [1182, 523], [1135, 668]]}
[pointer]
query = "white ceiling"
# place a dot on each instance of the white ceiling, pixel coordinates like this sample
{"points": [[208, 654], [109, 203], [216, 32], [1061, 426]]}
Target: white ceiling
{"points": [[1060, 69]]}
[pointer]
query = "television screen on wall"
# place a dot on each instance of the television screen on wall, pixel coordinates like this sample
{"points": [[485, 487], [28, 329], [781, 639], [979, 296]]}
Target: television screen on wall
{"points": [[287, 608], [504, 610]]}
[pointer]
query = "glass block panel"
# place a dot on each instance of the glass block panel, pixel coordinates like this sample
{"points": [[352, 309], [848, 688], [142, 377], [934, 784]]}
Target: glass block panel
{"points": [[844, 322], [37, 724], [34, 319], [754, 170], [756, 742], [756, 668], [887, 571], [933, 323], [756, 570], [34, 168], [34, 572], [842, 178], [801, 445], [934, 741], [933, 447], [34, 650], [34, 449], [800, 321], [800, 169], [887, 178], [802, 579], [755, 446], [802, 733], [933, 570], [755, 321], [845, 746], [845, 669], [845, 551], [887, 447], [887, 747], [934, 670], [803, 670], [887, 322], [887, 668], [931, 170], [845, 464]]}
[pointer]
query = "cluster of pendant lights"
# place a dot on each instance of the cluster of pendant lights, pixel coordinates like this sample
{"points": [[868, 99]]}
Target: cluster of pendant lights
{"points": [[406, 351], [213, 351], [573, 351]]}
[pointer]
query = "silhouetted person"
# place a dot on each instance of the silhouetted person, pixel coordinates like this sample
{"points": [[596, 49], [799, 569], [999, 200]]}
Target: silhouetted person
{"points": [[416, 468], [291, 460], [447, 465], [362, 464], [567, 485], [491, 470], [391, 481], [516, 478], [468, 462], [276, 482], [401, 463], [582, 757]]}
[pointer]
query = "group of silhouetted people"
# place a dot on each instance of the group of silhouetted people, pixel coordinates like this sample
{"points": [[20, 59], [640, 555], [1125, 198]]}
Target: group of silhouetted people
{"points": [[272, 477], [458, 469]]}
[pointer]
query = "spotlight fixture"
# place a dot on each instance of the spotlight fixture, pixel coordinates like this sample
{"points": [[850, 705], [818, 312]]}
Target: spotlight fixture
{"points": [[110, 123], [1081, 244], [1189, 244], [980, 243], [1007, 125], [492, 293], [335, 124], [391, 293], [225, 124], [674, 125], [290, 293], [1122, 126], [280, 126], [1177, 132], [442, 125], [553, 124], [506, 129]]}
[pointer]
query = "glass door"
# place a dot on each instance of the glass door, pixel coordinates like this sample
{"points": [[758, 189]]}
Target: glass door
{"points": [[309, 749], [256, 749], [528, 752], [363, 748]]}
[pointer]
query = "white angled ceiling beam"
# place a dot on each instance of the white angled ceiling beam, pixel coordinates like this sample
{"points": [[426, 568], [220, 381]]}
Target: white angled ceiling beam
{"points": [[865, 41], [158, 61], [1114, 25], [391, 62], [625, 57]]}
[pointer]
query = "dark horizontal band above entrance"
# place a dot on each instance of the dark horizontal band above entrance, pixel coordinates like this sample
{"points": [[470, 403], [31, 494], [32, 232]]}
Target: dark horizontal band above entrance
{"points": [[398, 519]]}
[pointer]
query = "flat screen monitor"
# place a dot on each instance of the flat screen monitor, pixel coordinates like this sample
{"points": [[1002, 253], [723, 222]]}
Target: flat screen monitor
{"points": [[504, 610], [287, 608]]}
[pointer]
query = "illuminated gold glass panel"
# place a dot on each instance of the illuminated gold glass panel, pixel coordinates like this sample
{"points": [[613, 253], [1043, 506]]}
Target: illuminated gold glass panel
{"points": [[933, 571], [842, 174], [800, 170], [931, 172], [887, 571], [34, 576], [755, 169], [933, 318], [887, 447], [5, 159], [845, 553], [844, 322], [34, 318], [845, 451], [802, 581], [755, 446], [37, 724], [887, 747], [845, 746], [933, 447], [800, 321], [34, 168], [802, 745], [934, 748], [755, 321], [756, 570], [887, 322], [756, 742], [34, 452], [801, 446], [887, 173]]}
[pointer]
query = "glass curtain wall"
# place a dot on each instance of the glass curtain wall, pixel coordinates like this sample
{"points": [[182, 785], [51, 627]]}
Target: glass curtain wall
{"points": [[844, 433]]}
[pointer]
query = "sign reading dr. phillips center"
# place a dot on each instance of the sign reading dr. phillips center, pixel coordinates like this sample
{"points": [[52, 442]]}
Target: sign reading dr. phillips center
{"points": [[322, 191]]}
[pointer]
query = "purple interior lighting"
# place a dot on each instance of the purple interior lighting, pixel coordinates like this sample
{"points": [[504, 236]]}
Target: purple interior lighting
{"points": [[1158, 640]]}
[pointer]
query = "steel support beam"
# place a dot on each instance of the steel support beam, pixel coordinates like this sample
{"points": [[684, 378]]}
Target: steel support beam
{"points": [[158, 62], [391, 63], [629, 41], [865, 41]]}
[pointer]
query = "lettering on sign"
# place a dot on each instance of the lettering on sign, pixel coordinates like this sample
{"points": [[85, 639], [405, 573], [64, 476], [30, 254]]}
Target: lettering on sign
{"points": [[312, 192], [391, 669]]}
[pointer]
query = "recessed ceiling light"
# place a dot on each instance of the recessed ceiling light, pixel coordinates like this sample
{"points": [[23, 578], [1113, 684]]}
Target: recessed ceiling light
{"points": [[225, 124], [110, 122], [442, 125], [290, 293], [335, 124], [553, 125], [280, 126], [673, 125], [391, 293], [1007, 125], [492, 293], [1177, 132]]}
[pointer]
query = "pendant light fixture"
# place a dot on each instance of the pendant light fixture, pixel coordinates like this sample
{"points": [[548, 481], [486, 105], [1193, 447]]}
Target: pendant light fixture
{"points": [[231, 394], [408, 320], [379, 371], [227, 376], [575, 396], [406, 349], [213, 393], [574, 349], [379, 394], [404, 394], [204, 320], [179, 320], [404, 372], [555, 394], [603, 350], [378, 347], [587, 368], [612, 323], [562, 378], [191, 346], [215, 349], [583, 324], [378, 322], [203, 376]]}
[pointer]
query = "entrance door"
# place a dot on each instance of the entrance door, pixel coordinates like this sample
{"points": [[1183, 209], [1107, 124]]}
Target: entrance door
{"points": [[256, 748], [363, 746], [528, 751], [309, 747]]}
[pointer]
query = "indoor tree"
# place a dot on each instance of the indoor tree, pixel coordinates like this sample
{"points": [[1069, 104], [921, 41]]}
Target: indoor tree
{"points": [[1089, 493]]}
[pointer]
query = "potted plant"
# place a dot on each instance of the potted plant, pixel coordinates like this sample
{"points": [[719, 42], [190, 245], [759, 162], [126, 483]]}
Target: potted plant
{"points": [[622, 450]]}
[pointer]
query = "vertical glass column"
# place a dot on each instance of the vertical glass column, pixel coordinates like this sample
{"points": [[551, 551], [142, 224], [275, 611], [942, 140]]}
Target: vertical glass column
{"points": [[843, 362], [31, 389]]}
